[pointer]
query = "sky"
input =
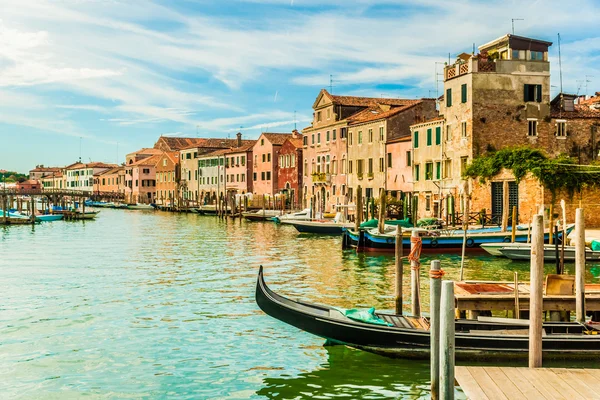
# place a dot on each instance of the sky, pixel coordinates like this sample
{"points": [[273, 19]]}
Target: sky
{"points": [[102, 78]]}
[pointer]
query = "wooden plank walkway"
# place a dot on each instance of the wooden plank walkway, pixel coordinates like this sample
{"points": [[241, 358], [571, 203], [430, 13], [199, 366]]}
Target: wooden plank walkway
{"points": [[504, 383]]}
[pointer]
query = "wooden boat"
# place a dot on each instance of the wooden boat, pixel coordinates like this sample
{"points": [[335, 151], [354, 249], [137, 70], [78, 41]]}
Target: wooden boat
{"points": [[326, 227], [436, 239], [523, 253], [408, 337], [140, 206], [260, 215], [49, 217]]}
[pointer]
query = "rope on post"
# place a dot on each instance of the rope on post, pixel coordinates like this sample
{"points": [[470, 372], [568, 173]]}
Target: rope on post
{"points": [[436, 274], [415, 253]]}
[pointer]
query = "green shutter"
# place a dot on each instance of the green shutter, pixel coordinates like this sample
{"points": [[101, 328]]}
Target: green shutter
{"points": [[463, 93], [438, 170], [525, 92], [438, 135], [538, 92], [416, 140], [416, 172], [429, 137], [448, 97]]}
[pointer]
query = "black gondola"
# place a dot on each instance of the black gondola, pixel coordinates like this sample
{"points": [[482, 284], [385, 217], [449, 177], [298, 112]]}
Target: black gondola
{"points": [[408, 337]]}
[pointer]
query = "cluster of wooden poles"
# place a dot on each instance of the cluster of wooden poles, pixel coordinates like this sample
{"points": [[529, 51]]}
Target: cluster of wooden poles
{"points": [[30, 206], [442, 310]]}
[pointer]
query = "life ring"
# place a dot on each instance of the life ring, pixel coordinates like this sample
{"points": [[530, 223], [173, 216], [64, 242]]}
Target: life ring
{"points": [[506, 239], [470, 242], [433, 243]]}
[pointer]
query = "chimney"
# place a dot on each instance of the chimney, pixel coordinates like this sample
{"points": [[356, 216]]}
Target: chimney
{"points": [[295, 134], [239, 139]]}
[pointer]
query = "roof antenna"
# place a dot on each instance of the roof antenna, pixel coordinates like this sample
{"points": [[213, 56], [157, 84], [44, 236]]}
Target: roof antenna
{"points": [[473, 52], [79, 148], [512, 20], [331, 83], [295, 120]]}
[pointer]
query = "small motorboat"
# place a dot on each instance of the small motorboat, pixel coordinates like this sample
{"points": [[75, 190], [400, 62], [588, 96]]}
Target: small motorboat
{"points": [[261, 215], [523, 253], [408, 337], [326, 227], [140, 206]]}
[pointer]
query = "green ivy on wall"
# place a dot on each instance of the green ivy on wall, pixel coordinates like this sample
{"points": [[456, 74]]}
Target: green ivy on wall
{"points": [[555, 174]]}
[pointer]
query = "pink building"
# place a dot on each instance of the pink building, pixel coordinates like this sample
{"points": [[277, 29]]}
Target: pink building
{"points": [[265, 155], [399, 171]]}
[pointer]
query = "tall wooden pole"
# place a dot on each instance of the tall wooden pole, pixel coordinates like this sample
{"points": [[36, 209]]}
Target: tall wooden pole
{"points": [[465, 228], [447, 341], [359, 208], [399, 269], [414, 280], [564, 236], [579, 266], [434, 327], [536, 299], [514, 224], [381, 221], [550, 223]]}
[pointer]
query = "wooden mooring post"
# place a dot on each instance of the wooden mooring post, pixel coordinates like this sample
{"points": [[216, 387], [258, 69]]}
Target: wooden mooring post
{"points": [[434, 326], [513, 231], [447, 343], [399, 269], [579, 266], [381, 216], [359, 208], [415, 298], [536, 292]]}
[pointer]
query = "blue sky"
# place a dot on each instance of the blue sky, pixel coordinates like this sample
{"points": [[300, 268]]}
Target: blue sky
{"points": [[114, 75]]}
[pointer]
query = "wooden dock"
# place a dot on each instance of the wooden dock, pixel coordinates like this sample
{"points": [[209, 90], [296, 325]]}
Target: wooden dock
{"points": [[495, 383]]}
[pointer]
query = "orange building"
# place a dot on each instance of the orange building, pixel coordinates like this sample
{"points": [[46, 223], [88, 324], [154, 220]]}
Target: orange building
{"points": [[266, 162], [167, 178], [111, 181]]}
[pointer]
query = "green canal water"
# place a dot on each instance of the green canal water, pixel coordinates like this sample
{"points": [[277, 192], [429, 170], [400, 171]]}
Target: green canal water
{"points": [[158, 305]]}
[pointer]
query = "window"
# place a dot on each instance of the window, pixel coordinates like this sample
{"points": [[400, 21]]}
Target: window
{"points": [[312, 139], [381, 137], [269, 157], [292, 161], [328, 113], [350, 139], [264, 157], [268, 175], [254, 176], [255, 160], [532, 93], [429, 137], [334, 166], [305, 140], [416, 140], [243, 160], [262, 176], [463, 93], [438, 135], [408, 158], [359, 167], [381, 164], [359, 137], [327, 134], [319, 138], [463, 164], [305, 167], [447, 168], [243, 177], [448, 133], [463, 129], [532, 129], [318, 116], [389, 160], [448, 97], [349, 166], [165, 162], [561, 128], [536, 55], [262, 142], [417, 172], [438, 170], [182, 156], [370, 170], [428, 171], [343, 133], [370, 135], [333, 133], [428, 203], [188, 156]]}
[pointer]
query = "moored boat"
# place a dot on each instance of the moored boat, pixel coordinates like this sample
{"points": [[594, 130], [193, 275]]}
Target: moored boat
{"points": [[260, 215], [139, 206], [523, 253], [408, 337], [327, 227]]}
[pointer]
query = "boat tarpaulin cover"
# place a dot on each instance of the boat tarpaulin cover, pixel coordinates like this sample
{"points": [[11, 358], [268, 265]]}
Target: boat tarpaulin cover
{"points": [[595, 245], [367, 316], [372, 223]]}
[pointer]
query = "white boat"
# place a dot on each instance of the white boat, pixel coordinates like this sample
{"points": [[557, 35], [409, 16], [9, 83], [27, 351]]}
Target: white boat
{"points": [[327, 226], [261, 215], [524, 253], [139, 206], [303, 215]]}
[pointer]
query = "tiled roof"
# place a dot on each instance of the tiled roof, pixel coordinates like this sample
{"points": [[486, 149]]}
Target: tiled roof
{"points": [[151, 161], [177, 143], [581, 111], [218, 143], [245, 147], [45, 169], [430, 120], [30, 182], [355, 101], [277, 138], [297, 142], [91, 165], [406, 138], [112, 171], [591, 100], [58, 174], [375, 112], [215, 153], [147, 150]]}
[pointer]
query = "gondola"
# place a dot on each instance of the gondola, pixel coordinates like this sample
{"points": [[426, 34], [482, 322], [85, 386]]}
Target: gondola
{"points": [[408, 337]]}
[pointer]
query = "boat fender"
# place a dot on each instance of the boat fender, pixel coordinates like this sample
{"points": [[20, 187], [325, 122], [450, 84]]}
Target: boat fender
{"points": [[506, 239], [433, 243], [389, 240], [470, 242]]}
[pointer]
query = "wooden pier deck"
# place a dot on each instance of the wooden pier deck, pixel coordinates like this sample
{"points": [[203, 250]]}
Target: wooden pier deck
{"points": [[496, 383]]}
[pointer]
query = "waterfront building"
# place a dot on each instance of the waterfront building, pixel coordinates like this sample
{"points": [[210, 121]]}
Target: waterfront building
{"points": [[140, 165], [265, 153], [168, 178], [54, 180], [399, 180], [289, 176], [497, 98], [28, 185], [110, 181], [40, 171], [211, 175], [238, 168], [80, 176]]}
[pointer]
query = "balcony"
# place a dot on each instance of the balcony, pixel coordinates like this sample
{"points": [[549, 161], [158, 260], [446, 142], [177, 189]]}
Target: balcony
{"points": [[321, 178]]}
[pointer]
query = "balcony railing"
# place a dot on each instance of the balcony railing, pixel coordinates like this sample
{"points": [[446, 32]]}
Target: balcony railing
{"points": [[321, 177]]}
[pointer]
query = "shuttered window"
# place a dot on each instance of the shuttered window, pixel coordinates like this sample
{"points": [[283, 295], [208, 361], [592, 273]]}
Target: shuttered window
{"points": [[429, 137], [463, 93], [438, 135]]}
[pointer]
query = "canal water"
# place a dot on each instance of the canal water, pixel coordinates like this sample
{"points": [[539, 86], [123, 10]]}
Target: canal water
{"points": [[158, 305]]}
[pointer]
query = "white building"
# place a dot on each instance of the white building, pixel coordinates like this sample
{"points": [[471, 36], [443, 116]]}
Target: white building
{"points": [[80, 176]]}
